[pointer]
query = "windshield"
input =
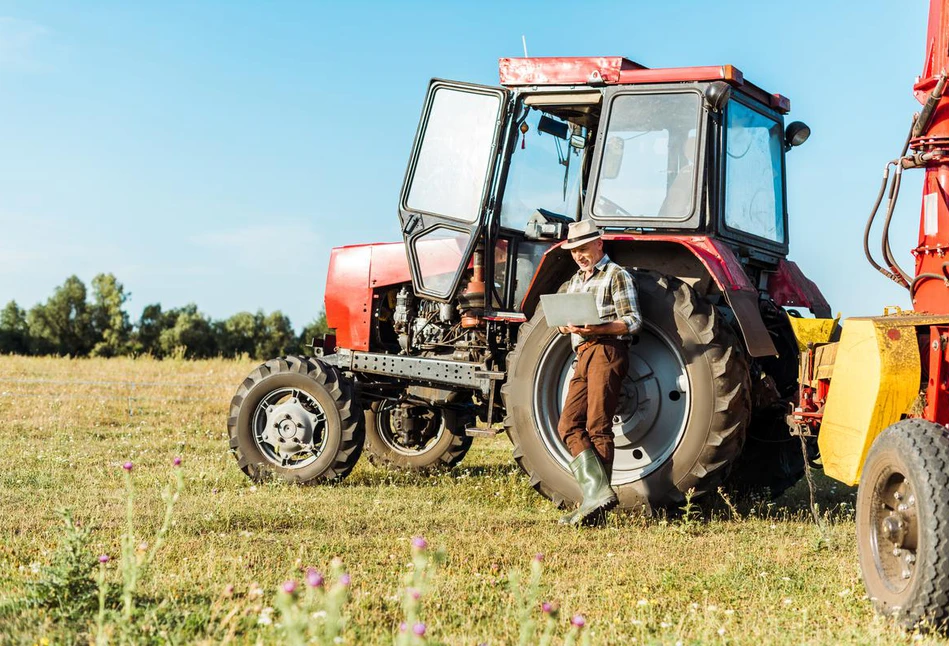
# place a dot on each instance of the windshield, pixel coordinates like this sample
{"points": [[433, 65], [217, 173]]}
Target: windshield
{"points": [[647, 167], [544, 171]]}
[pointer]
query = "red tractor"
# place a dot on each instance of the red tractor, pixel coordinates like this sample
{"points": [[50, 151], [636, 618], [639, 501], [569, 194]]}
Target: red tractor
{"points": [[442, 337]]}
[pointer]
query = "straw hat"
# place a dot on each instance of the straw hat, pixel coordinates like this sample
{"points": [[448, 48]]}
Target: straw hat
{"points": [[580, 233]]}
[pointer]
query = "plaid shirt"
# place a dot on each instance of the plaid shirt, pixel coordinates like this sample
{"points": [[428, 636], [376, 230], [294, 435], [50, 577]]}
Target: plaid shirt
{"points": [[615, 294]]}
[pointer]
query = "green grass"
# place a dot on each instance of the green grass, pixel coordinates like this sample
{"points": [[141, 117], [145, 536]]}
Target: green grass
{"points": [[767, 575]]}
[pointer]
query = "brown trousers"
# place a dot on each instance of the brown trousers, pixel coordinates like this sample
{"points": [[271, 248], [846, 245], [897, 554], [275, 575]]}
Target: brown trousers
{"points": [[587, 417]]}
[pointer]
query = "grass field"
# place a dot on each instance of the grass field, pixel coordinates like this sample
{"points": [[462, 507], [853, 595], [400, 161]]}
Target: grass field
{"points": [[759, 573]]}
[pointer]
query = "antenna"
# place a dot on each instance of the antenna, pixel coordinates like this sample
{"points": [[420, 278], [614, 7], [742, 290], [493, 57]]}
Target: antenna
{"points": [[524, 42]]}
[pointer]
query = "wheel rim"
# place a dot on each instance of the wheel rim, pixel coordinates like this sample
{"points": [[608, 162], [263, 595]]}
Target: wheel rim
{"points": [[429, 436], [894, 536], [652, 414], [290, 428]]}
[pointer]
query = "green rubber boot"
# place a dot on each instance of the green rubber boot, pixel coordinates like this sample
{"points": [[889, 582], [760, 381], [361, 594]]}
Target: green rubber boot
{"points": [[594, 483]]}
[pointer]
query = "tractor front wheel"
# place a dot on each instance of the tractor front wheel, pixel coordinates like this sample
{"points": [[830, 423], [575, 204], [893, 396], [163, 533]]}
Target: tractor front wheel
{"points": [[296, 418], [903, 523]]}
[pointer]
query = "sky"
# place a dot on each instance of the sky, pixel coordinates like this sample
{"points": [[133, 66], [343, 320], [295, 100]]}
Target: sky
{"points": [[216, 152]]}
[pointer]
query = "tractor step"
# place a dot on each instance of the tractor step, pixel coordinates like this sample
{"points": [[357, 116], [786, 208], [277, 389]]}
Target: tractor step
{"points": [[475, 431]]}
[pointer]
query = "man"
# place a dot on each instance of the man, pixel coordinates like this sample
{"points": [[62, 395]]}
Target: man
{"points": [[586, 423]]}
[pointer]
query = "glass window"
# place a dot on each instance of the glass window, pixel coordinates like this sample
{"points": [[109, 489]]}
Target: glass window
{"points": [[440, 253], [544, 173], [647, 166], [456, 154], [754, 200]]}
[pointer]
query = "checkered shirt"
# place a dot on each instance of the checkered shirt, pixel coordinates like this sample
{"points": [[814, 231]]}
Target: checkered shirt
{"points": [[615, 293]]}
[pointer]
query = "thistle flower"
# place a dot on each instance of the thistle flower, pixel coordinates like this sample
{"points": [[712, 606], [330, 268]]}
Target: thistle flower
{"points": [[314, 579], [578, 621], [127, 466], [290, 586], [414, 593], [344, 580], [419, 629], [419, 543], [539, 557], [104, 558], [177, 461]]}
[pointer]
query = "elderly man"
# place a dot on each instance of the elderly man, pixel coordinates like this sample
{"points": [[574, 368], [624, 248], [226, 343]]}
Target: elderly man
{"points": [[586, 423]]}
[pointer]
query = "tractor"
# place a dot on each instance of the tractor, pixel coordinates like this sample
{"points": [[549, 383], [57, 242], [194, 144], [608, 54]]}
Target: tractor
{"points": [[442, 337]]}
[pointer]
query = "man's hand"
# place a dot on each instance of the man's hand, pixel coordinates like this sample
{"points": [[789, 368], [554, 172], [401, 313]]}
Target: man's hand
{"points": [[613, 328]]}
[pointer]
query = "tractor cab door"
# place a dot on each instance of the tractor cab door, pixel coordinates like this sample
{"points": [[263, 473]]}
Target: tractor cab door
{"points": [[448, 182]]}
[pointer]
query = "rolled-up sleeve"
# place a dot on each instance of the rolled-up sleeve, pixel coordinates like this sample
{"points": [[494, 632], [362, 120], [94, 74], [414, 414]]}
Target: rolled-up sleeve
{"points": [[626, 301]]}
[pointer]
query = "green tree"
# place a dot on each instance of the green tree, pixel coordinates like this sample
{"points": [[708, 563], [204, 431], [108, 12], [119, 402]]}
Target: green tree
{"points": [[276, 337], [240, 334], [315, 330], [63, 324], [191, 336], [148, 329], [14, 331], [109, 320]]}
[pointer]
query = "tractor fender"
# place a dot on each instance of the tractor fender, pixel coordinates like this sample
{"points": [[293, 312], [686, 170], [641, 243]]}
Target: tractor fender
{"points": [[354, 273], [788, 286], [691, 258]]}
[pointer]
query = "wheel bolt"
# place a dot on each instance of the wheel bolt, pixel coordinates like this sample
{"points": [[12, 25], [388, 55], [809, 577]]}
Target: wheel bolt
{"points": [[897, 551], [911, 500], [907, 574], [898, 495], [902, 507], [270, 409]]}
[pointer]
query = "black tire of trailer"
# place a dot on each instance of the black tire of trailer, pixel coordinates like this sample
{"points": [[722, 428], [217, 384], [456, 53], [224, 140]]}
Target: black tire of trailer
{"points": [[328, 389], [447, 451], [909, 458], [717, 370]]}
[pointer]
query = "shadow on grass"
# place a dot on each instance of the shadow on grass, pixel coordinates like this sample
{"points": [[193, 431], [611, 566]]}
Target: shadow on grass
{"points": [[395, 478]]}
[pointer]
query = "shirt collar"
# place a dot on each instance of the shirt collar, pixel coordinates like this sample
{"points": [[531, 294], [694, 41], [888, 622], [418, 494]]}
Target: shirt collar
{"points": [[599, 266]]}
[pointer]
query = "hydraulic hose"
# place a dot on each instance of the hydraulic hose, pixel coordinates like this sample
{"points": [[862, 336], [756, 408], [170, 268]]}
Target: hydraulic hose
{"points": [[922, 277], [888, 256], [873, 213], [900, 277]]}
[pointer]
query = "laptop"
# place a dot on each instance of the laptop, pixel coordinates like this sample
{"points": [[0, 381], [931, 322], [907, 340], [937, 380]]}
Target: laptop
{"points": [[570, 309]]}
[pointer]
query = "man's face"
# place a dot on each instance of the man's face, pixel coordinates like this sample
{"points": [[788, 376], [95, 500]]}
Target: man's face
{"points": [[586, 256]]}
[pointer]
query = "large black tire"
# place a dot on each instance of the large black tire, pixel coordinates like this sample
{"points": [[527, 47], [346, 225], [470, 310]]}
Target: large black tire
{"points": [[681, 419], [772, 460], [903, 523], [295, 417], [441, 448]]}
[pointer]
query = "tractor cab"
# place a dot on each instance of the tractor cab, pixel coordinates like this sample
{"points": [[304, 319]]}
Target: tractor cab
{"points": [[687, 151]]}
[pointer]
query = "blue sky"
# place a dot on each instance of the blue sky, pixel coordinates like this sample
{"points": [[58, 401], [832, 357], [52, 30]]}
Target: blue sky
{"points": [[215, 152]]}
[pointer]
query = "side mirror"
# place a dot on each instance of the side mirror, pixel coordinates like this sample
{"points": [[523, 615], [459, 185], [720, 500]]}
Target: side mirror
{"points": [[796, 134], [612, 158], [717, 95]]}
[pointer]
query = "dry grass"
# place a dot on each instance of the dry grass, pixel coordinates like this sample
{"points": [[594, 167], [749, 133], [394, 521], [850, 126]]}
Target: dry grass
{"points": [[767, 576]]}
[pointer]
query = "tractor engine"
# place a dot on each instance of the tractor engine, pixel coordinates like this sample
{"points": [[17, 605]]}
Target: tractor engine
{"points": [[428, 328]]}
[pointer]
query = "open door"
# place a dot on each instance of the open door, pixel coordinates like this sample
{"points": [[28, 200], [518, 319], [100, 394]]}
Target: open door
{"points": [[448, 182]]}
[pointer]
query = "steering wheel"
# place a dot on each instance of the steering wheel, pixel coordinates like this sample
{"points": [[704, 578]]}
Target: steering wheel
{"points": [[603, 203]]}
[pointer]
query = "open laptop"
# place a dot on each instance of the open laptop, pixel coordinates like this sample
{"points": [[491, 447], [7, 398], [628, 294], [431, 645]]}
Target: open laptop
{"points": [[570, 309]]}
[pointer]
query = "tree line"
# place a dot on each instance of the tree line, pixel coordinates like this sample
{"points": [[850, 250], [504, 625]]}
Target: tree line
{"points": [[70, 323]]}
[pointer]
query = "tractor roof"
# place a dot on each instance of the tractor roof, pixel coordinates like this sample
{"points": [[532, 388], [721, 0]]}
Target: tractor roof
{"points": [[616, 70]]}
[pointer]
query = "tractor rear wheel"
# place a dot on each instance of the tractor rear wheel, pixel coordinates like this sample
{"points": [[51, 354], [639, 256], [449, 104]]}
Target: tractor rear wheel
{"points": [[682, 416], [296, 418], [435, 440], [903, 523]]}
